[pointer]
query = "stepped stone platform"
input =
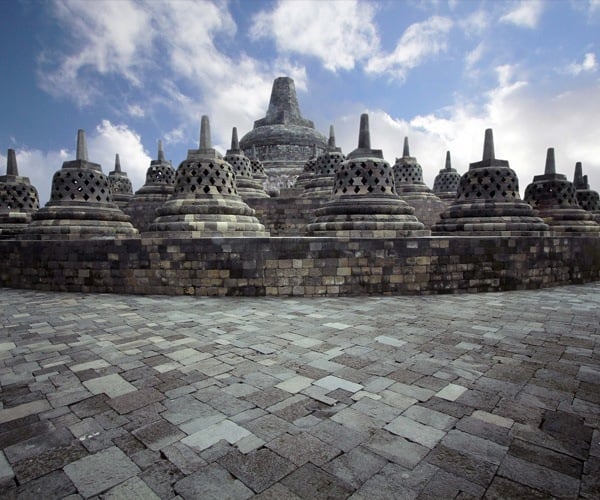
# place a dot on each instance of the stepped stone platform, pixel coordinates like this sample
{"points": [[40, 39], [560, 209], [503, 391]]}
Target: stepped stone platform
{"points": [[472, 396]]}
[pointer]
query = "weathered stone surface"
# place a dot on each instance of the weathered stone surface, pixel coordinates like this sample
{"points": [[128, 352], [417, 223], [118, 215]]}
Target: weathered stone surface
{"points": [[212, 482], [311, 482], [258, 469], [97, 473]]}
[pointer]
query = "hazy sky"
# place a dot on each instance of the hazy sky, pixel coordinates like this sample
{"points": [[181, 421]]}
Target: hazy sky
{"points": [[132, 72]]}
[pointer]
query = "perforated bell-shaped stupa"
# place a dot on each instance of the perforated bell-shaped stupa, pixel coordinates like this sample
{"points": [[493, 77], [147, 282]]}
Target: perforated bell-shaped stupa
{"points": [[160, 179], [120, 185], [247, 186], [327, 165], [205, 202], [554, 199], [587, 198], [283, 138], [308, 172], [81, 204], [159, 186], [364, 200], [408, 176], [446, 181], [488, 202], [18, 199]]}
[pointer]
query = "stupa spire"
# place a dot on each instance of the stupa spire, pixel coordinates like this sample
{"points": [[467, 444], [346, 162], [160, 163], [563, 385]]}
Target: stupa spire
{"points": [[117, 163], [161, 153], [488, 145], [205, 142], [235, 143], [11, 163], [578, 178], [448, 166], [405, 150], [331, 142], [82, 153], [550, 162], [364, 134]]}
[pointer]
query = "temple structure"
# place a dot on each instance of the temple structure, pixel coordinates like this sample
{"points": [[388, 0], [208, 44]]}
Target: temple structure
{"points": [[205, 202], [408, 176], [81, 205], [247, 186], [364, 200], [159, 186], [283, 138], [18, 199], [587, 198], [308, 172], [320, 185], [120, 185], [488, 201], [446, 181], [554, 199]]}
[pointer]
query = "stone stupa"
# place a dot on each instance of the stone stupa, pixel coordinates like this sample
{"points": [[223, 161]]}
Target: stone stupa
{"points": [[326, 166], [283, 138], [247, 186], [488, 203], [410, 186], [205, 202], [364, 201], [587, 198], [120, 185], [18, 199], [446, 181], [554, 199], [159, 186], [308, 172], [81, 204]]}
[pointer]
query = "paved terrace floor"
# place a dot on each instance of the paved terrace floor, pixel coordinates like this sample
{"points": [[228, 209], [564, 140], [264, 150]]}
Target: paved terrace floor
{"points": [[462, 396]]}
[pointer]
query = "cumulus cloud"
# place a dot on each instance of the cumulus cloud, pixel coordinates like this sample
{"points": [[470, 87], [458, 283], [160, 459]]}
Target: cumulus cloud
{"points": [[418, 42], [525, 14], [338, 33], [588, 65], [103, 143], [474, 56], [107, 38]]}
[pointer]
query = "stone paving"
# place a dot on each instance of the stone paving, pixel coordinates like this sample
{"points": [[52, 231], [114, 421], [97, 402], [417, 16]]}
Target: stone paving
{"points": [[456, 396]]}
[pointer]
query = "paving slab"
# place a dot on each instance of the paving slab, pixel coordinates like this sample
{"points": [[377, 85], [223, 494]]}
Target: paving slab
{"points": [[449, 396]]}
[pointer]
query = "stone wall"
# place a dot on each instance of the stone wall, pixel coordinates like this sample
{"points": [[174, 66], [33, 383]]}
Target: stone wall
{"points": [[300, 265]]}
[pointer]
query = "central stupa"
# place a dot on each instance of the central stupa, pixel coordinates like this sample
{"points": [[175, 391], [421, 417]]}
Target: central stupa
{"points": [[283, 139]]}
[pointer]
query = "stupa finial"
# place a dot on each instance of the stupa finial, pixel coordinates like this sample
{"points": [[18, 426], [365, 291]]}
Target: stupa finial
{"points": [[331, 142], [314, 151], [448, 166], [550, 162], [82, 153], [235, 143], [254, 153], [11, 163], [405, 150], [205, 142], [161, 153], [488, 145], [364, 134], [578, 178], [117, 163]]}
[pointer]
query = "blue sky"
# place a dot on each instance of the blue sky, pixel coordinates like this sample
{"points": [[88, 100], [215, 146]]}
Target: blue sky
{"points": [[132, 72]]}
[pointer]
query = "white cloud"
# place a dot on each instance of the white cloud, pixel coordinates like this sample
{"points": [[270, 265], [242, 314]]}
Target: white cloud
{"points": [[108, 139], [108, 37], [475, 23], [136, 111], [588, 65], [418, 42], [338, 33], [473, 57], [103, 143], [525, 124], [525, 14]]}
